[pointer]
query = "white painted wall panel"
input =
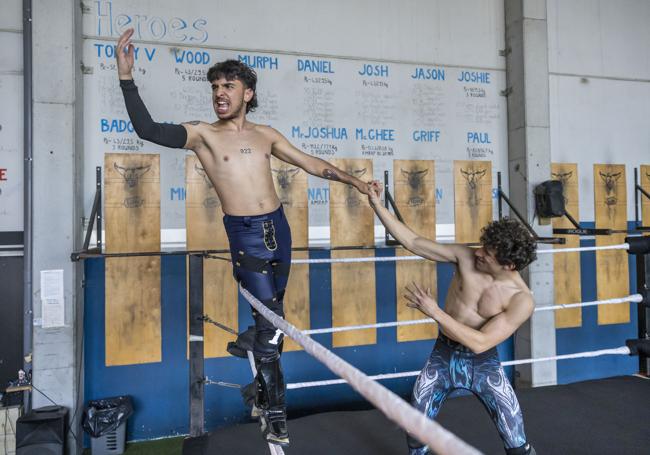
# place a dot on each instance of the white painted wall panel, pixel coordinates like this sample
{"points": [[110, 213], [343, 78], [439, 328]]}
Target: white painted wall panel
{"points": [[11, 153], [453, 37], [11, 52], [11, 14], [11, 116], [599, 121], [441, 31], [599, 60], [600, 38]]}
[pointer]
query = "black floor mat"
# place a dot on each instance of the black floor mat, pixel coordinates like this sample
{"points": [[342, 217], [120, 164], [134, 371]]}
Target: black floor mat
{"points": [[607, 416]]}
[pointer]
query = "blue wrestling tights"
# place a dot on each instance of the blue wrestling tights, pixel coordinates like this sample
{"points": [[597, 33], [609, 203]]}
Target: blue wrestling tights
{"points": [[453, 366], [261, 254]]}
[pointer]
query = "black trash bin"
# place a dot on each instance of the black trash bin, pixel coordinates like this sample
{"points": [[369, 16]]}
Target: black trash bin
{"points": [[105, 421]]}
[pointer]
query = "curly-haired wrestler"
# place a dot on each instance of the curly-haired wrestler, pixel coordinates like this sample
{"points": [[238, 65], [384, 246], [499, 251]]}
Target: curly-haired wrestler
{"points": [[486, 302]]}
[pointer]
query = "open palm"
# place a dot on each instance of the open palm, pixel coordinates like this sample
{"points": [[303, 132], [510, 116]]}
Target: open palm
{"points": [[125, 60]]}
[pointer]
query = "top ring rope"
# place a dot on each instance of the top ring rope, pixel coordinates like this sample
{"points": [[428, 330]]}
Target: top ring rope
{"points": [[427, 431], [622, 246]]}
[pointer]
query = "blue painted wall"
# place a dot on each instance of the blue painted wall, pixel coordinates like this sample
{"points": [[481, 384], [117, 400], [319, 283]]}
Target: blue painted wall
{"points": [[590, 336], [160, 390]]}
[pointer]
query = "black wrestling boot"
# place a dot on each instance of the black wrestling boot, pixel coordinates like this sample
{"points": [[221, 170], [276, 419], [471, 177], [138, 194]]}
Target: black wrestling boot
{"points": [[526, 449], [270, 402]]}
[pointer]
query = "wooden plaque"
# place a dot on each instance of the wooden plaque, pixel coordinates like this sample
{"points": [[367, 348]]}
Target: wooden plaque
{"points": [[205, 231], [291, 185], [472, 199], [353, 285], [132, 295], [354, 299], [644, 181], [612, 276], [415, 197], [566, 266]]}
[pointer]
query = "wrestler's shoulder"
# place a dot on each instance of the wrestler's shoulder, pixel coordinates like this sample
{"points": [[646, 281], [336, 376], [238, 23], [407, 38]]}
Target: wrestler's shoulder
{"points": [[265, 130], [201, 126], [523, 296]]}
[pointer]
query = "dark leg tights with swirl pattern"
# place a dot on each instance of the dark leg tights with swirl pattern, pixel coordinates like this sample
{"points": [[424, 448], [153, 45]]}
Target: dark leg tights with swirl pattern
{"points": [[453, 366]]}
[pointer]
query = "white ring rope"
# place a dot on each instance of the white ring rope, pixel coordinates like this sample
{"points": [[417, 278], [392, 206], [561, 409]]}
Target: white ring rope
{"points": [[378, 325], [395, 408], [635, 298], [367, 259], [623, 350], [622, 246]]}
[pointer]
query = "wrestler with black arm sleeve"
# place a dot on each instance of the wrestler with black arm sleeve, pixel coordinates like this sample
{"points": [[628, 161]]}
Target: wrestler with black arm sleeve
{"points": [[236, 154]]}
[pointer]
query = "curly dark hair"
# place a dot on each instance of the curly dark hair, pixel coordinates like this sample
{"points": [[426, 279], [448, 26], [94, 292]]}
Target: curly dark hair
{"points": [[510, 241], [234, 69]]}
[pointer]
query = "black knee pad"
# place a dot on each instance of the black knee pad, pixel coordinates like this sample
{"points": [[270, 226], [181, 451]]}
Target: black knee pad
{"points": [[268, 345], [268, 339], [526, 449]]}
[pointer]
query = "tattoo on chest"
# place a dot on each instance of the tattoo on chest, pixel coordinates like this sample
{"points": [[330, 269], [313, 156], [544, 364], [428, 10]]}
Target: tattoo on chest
{"points": [[330, 174], [246, 151]]}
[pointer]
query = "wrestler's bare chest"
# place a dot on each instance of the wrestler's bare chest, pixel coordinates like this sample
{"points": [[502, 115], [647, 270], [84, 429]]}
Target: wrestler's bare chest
{"points": [[231, 150], [473, 298], [239, 166]]}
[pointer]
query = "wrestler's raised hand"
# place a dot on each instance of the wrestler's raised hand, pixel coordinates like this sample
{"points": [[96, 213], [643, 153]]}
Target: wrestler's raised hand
{"points": [[375, 189], [421, 300], [125, 60]]}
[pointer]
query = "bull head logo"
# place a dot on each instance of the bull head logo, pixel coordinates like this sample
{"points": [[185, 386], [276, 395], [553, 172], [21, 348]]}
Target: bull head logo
{"points": [[473, 177], [610, 180], [199, 170], [564, 178], [131, 174], [285, 176], [352, 196], [133, 202], [414, 180], [211, 202]]}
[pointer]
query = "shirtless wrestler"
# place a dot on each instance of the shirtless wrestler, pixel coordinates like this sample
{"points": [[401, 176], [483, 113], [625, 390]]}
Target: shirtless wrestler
{"points": [[486, 302], [236, 154]]}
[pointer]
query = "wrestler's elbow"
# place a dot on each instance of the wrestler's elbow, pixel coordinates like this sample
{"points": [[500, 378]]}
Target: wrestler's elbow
{"points": [[410, 244], [481, 344], [146, 132], [478, 349]]}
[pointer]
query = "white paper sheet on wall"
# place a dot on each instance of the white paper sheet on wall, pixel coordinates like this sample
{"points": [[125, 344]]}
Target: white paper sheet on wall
{"points": [[52, 301]]}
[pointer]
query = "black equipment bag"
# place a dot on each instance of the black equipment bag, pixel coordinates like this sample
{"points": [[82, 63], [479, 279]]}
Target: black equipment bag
{"points": [[549, 199]]}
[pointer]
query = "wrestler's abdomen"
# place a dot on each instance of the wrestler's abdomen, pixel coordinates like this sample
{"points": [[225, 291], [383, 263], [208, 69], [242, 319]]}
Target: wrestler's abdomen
{"points": [[251, 197]]}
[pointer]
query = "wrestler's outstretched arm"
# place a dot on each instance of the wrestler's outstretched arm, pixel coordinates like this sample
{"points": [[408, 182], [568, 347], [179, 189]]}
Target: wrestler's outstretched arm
{"points": [[412, 241], [285, 151], [169, 135], [493, 332]]}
